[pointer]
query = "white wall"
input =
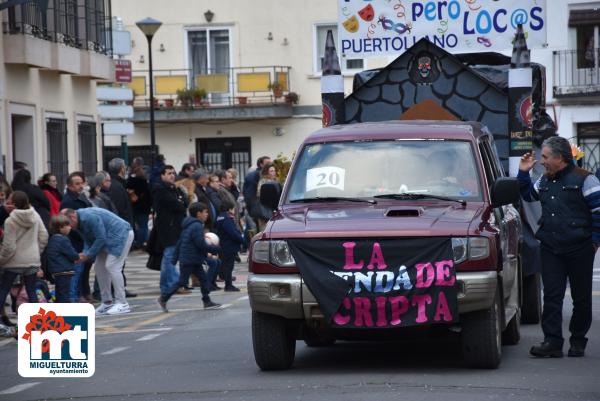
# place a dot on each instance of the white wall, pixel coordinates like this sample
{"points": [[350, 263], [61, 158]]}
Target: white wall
{"points": [[178, 141], [46, 94]]}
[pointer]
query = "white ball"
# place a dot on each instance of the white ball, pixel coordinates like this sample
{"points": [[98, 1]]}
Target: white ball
{"points": [[211, 239]]}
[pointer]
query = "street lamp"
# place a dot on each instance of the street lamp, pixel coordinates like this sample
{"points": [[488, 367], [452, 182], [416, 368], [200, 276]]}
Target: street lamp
{"points": [[149, 26]]}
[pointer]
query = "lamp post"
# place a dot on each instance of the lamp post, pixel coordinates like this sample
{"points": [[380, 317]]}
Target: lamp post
{"points": [[149, 26]]}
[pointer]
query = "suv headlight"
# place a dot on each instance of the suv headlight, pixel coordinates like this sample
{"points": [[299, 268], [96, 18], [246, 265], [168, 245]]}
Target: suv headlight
{"points": [[260, 252], [471, 248], [276, 252], [459, 247]]}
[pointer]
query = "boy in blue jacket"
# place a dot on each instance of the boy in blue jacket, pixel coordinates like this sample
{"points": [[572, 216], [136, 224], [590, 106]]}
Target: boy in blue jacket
{"points": [[191, 252], [231, 240], [61, 257]]}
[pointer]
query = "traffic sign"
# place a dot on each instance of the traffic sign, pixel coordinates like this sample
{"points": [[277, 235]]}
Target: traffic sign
{"points": [[118, 128], [123, 71], [113, 94]]}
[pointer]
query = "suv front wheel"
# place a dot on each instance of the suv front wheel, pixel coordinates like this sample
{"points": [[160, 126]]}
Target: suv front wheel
{"points": [[481, 336], [273, 342]]}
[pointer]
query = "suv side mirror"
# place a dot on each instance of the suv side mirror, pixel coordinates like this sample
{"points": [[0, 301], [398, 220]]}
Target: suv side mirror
{"points": [[505, 191], [269, 194]]}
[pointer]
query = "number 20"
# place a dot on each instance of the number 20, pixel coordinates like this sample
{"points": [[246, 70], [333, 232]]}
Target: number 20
{"points": [[332, 179]]}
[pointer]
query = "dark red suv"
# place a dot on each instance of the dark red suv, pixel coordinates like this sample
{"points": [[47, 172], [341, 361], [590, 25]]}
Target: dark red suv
{"points": [[385, 229]]}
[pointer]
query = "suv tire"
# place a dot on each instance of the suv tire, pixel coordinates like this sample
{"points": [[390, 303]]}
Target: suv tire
{"points": [[512, 333], [272, 340], [532, 299], [481, 336]]}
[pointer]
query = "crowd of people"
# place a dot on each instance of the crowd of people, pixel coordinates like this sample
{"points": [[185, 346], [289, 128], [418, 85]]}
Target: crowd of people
{"points": [[193, 224]]}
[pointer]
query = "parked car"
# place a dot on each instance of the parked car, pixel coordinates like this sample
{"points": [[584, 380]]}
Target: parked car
{"points": [[410, 188]]}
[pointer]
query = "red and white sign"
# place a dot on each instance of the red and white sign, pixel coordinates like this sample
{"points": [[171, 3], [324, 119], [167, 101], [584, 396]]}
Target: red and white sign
{"points": [[123, 71]]}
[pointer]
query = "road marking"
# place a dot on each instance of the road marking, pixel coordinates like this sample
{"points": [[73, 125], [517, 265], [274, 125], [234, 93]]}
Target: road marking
{"points": [[7, 341], [149, 337], [18, 388], [146, 322], [116, 331], [242, 298], [114, 350]]}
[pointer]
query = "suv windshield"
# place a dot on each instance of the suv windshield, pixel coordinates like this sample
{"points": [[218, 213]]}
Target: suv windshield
{"points": [[364, 169]]}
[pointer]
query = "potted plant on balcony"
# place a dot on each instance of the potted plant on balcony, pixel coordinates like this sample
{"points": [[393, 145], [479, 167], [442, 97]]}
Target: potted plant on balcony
{"points": [[292, 98], [169, 103], [277, 88], [185, 97], [199, 96], [242, 99]]}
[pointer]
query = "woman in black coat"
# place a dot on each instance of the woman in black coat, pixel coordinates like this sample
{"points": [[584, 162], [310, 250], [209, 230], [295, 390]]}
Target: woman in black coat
{"points": [[37, 199]]}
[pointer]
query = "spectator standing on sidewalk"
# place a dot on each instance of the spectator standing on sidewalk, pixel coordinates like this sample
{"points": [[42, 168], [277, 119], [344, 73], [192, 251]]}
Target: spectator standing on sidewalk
{"points": [[120, 198], [187, 170], [108, 239], [201, 181], [159, 164], [139, 194], [25, 238], [97, 197], [170, 206], [74, 198], [61, 257], [191, 252], [250, 187], [231, 240], [37, 199], [48, 185]]}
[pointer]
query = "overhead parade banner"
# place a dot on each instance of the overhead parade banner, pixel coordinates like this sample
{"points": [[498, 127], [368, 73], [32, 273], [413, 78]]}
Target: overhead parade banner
{"points": [[368, 28]]}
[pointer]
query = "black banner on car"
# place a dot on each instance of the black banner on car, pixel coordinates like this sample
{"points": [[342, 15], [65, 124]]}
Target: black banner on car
{"points": [[380, 283]]}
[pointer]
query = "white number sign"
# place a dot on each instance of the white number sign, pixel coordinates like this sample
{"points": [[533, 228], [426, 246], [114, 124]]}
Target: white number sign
{"points": [[325, 177]]}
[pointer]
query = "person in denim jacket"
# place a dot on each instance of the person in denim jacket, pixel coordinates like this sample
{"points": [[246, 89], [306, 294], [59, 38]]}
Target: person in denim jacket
{"points": [[107, 238]]}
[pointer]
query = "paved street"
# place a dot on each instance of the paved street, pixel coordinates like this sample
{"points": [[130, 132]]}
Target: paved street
{"points": [[192, 354]]}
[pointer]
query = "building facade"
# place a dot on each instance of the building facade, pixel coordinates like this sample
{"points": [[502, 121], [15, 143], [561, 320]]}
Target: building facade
{"points": [[50, 61], [234, 51]]}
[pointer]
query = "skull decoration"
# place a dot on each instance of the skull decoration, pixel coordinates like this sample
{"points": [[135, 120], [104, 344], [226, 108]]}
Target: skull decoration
{"points": [[424, 66], [424, 69]]}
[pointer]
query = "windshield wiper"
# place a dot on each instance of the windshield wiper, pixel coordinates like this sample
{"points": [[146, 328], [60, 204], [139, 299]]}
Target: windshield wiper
{"points": [[411, 195], [332, 199]]}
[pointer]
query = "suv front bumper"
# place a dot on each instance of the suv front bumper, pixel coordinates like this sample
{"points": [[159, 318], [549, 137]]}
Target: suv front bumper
{"points": [[286, 295]]}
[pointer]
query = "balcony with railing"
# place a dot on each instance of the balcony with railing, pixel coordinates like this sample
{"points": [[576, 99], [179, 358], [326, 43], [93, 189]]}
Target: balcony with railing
{"points": [[71, 36], [576, 73], [242, 93]]}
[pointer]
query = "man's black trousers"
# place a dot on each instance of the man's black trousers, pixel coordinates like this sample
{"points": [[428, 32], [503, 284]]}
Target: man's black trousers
{"points": [[577, 267]]}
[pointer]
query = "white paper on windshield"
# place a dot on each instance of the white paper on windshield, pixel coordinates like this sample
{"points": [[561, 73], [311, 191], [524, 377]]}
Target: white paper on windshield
{"points": [[325, 177]]}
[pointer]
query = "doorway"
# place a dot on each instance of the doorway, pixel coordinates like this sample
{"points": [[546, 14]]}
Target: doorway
{"points": [[23, 149], [223, 153]]}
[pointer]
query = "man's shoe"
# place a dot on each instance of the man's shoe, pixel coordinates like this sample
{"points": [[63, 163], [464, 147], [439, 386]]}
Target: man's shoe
{"points": [[576, 351], [237, 258], [129, 294], [103, 308], [215, 288], [118, 309], [84, 300], [162, 304], [183, 291], [546, 350], [211, 305], [232, 288]]}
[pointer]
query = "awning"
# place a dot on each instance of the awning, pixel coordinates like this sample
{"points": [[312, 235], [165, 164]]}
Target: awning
{"points": [[584, 17]]}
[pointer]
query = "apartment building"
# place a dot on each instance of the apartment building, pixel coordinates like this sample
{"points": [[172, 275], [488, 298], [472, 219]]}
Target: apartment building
{"points": [[50, 61], [234, 51]]}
